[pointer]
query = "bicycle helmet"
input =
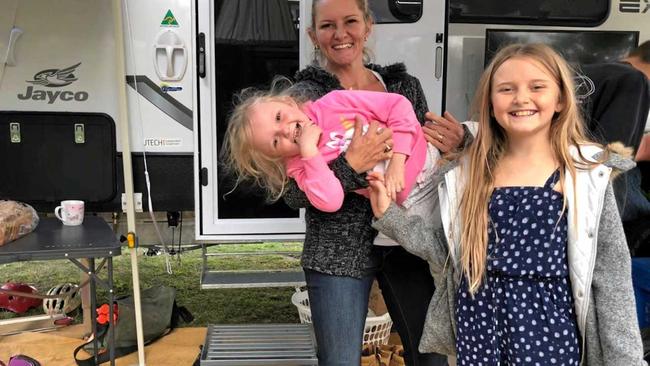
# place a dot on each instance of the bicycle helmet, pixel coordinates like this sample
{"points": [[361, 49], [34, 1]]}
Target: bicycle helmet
{"points": [[70, 299], [18, 304]]}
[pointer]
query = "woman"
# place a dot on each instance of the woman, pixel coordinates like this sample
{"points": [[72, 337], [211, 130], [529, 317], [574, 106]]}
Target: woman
{"points": [[339, 258]]}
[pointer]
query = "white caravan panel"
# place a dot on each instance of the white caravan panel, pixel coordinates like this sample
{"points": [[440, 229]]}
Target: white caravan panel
{"points": [[74, 40], [159, 52], [64, 58]]}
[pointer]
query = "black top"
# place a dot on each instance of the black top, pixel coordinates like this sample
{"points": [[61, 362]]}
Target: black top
{"points": [[53, 240], [616, 105], [339, 243]]}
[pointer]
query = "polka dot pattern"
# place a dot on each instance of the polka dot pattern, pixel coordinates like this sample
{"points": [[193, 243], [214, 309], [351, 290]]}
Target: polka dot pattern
{"points": [[523, 313]]}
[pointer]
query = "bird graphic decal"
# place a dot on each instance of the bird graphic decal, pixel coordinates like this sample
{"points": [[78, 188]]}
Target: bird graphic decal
{"points": [[55, 77]]}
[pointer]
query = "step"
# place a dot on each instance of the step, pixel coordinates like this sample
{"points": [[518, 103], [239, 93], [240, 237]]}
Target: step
{"points": [[259, 344], [251, 279]]}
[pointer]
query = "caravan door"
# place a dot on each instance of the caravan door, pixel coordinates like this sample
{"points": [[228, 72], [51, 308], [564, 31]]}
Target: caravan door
{"points": [[245, 44], [240, 44]]}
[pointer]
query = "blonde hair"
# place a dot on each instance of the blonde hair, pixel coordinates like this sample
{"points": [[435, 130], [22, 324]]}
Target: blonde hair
{"points": [[243, 159], [319, 59], [483, 155]]}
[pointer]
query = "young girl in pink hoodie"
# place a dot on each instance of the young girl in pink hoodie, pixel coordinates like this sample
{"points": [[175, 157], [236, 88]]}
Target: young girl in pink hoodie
{"points": [[271, 138]]}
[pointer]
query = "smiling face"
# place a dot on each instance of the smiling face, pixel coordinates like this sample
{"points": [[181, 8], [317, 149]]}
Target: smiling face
{"points": [[524, 97], [340, 30], [275, 128]]}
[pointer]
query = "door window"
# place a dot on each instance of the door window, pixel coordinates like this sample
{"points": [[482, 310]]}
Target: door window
{"points": [[254, 41]]}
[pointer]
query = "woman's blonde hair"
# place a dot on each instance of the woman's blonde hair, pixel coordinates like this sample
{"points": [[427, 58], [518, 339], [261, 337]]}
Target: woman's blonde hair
{"points": [[483, 155], [238, 154], [319, 59]]}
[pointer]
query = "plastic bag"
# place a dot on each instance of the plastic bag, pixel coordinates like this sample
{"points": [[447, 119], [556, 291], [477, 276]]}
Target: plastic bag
{"points": [[17, 219]]}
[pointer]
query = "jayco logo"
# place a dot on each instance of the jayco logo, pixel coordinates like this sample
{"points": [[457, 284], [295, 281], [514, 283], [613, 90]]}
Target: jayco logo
{"points": [[634, 6], [54, 78]]}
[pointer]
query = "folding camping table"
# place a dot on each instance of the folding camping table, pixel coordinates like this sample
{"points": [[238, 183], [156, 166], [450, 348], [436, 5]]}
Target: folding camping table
{"points": [[52, 240]]}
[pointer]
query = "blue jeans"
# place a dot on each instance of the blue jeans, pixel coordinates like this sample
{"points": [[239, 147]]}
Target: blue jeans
{"points": [[339, 306]]}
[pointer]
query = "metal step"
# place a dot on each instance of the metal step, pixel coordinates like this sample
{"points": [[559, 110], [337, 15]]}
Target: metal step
{"points": [[259, 253], [259, 344], [249, 279]]}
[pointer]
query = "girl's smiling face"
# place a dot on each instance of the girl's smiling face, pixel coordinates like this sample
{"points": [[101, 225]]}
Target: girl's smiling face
{"points": [[275, 128], [524, 97]]}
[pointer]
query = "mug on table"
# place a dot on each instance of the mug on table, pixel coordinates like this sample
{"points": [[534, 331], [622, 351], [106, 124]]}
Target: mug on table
{"points": [[71, 212]]}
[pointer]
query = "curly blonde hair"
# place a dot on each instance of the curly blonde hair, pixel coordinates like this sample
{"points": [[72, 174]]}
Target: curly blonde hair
{"points": [[239, 155]]}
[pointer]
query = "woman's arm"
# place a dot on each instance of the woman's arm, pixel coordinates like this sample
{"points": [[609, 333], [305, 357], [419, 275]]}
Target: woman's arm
{"points": [[612, 291]]}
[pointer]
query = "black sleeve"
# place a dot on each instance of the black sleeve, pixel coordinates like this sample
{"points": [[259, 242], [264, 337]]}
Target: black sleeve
{"points": [[618, 107], [412, 90]]}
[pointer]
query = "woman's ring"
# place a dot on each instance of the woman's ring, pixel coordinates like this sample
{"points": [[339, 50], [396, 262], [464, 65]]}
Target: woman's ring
{"points": [[387, 148], [441, 137]]}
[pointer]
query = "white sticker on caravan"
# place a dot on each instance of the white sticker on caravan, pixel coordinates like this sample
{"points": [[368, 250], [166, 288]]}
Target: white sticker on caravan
{"points": [[163, 142]]}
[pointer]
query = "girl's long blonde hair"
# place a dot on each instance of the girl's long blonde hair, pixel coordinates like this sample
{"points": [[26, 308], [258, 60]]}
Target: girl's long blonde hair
{"points": [[239, 156], [491, 141]]}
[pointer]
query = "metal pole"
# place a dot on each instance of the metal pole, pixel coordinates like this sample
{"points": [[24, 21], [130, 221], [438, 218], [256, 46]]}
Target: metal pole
{"points": [[128, 169]]}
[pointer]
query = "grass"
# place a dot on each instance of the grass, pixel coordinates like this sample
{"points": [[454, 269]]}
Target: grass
{"points": [[224, 306]]}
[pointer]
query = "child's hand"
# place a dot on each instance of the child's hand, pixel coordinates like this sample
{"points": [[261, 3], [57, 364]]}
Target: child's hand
{"points": [[308, 139], [378, 197], [395, 175]]}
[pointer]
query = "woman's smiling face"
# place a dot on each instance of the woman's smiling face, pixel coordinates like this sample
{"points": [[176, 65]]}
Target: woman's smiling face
{"points": [[340, 30]]}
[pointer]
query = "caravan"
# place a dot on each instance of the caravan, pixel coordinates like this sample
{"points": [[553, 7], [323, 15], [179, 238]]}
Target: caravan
{"points": [[186, 59]]}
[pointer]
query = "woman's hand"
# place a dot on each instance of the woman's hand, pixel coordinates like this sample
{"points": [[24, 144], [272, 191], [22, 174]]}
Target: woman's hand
{"points": [[445, 133], [379, 199], [366, 150]]}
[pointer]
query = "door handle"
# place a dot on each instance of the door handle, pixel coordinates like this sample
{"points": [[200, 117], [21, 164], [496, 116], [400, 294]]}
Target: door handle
{"points": [[201, 55]]}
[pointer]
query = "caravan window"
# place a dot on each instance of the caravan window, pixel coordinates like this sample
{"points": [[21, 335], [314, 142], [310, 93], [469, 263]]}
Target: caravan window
{"points": [[576, 13], [396, 11], [254, 41]]}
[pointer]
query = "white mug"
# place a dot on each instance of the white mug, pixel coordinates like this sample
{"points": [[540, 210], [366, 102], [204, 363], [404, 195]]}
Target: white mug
{"points": [[71, 212]]}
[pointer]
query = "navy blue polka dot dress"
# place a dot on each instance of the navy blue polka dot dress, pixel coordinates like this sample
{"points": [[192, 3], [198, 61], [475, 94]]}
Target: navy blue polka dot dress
{"points": [[523, 313]]}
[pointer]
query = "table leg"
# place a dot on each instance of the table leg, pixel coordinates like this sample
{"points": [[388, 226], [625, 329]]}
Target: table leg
{"points": [[111, 324], [93, 306], [85, 300]]}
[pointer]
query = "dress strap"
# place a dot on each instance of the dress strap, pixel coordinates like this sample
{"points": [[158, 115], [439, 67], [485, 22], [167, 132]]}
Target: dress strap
{"points": [[550, 182]]}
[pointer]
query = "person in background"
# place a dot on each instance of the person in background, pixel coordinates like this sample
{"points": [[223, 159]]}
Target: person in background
{"points": [[530, 249], [339, 258], [616, 110], [639, 58]]}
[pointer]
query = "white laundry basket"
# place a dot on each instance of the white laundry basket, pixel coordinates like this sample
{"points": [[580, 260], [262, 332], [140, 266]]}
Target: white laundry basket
{"points": [[376, 330]]}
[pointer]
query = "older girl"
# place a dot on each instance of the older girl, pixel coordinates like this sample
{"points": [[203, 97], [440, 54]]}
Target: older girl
{"points": [[531, 254]]}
